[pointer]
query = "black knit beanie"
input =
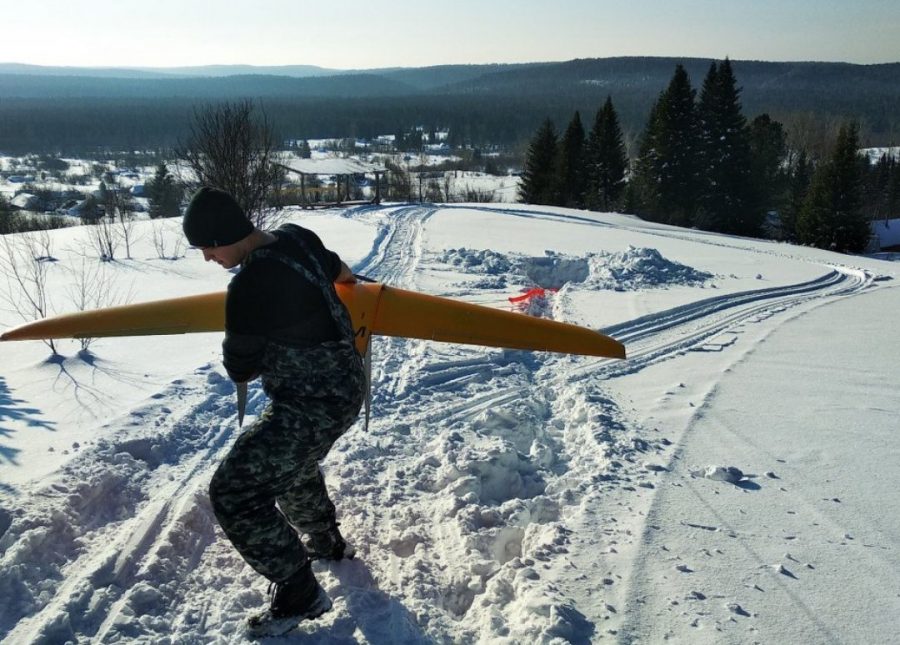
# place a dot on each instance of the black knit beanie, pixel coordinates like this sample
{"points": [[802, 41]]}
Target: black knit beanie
{"points": [[214, 218]]}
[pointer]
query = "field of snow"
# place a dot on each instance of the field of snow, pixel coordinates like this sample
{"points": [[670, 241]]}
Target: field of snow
{"points": [[497, 496]]}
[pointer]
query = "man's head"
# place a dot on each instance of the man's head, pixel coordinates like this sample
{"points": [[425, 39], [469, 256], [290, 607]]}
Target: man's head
{"points": [[215, 223]]}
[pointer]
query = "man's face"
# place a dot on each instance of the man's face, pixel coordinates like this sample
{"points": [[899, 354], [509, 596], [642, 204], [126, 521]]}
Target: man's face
{"points": [[227, 257]]}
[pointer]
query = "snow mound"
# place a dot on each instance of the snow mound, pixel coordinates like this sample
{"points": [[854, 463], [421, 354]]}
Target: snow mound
{"points": [[555, 270], [730, 474], [472, 261], [630, 270], [639, 268]]}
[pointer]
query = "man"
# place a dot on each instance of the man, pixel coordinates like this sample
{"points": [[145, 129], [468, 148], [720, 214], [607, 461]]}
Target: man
{"points": [[283, 323]]}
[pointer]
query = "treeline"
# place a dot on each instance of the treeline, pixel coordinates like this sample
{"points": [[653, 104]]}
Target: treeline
{"points": [[701, 164], [81, 127]]}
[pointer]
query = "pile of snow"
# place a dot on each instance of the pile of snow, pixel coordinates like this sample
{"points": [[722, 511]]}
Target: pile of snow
{"points": [[633, 269], [473, 261], [730, 474], [554, 270], [640, 268]]}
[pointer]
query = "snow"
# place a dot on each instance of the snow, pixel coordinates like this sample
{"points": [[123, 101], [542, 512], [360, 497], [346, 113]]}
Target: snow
{"points": [[331, 166], [874, 154], [729, 482]]}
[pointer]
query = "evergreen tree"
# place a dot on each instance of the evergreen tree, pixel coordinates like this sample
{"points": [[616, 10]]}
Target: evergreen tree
{"points": [[769, 176], [304, 152], [799, 180], [571, 165], [399, 141], [607, 160], [832, 216], [893, 192], [644, 194], [163, 193], [881, 188], [668, 163], [8, 219], [727, 199], [539, 177]]}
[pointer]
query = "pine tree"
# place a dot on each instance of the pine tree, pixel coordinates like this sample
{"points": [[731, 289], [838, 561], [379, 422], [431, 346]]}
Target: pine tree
{"points": [[881, 198], [644, 194], [798, 181], [163, 194], [8, 219], [727, 199], [769, 177], [832, 216], [304, 152], [607, 160], [893, 191], [666, 170], [571, 165], [539, 177]]}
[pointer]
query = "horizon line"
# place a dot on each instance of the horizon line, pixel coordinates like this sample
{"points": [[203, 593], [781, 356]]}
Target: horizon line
{"points": [[426, 66]]}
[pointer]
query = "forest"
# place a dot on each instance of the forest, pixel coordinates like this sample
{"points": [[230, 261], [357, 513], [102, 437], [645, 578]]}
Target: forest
{"points": [[480, 105], [700, 163]]}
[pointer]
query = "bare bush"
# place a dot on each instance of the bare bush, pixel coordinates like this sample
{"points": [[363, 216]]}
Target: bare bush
{"points": [[104, 237], [479, 195], [167, 247], [399, 186], [433, 191], [26, 262], [119, 205], [94, 287], [448, 187]]}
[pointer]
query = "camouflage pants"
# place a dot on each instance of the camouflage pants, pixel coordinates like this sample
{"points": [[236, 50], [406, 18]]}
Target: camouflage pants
{"points": [[277, 460]]}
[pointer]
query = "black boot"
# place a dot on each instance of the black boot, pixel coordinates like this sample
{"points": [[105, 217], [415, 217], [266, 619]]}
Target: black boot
{"points": [[329, 545], [298, 598]]}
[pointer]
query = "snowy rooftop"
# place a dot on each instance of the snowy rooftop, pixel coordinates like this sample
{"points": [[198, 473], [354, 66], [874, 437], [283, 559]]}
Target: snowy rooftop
{"points": [[333, 166]]}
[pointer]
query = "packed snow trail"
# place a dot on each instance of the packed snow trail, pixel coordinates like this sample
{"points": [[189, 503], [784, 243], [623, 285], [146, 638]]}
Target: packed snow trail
{"points": [[476, 500], [804, 522], [80, 546]]}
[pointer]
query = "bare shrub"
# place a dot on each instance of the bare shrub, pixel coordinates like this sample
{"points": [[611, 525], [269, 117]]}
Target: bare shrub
{"points": [[399, 186], [26, 262], [433, 191], [94, 287], [479, 195], [104, 237], [167, 247], [119, 205]]}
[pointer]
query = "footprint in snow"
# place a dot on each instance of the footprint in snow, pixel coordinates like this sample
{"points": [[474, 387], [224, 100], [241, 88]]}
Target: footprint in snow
{"points": [[736, 609]]}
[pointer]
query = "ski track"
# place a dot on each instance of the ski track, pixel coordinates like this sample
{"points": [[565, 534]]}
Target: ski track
{"points": [[478, 462]]}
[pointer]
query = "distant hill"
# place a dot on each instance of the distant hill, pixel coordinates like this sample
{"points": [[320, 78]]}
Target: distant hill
{"points": [[61, 108], [440, 76], [591, 76], [294, 71], [201, 88]]}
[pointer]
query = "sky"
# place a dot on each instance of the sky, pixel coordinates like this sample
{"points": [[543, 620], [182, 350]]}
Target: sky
{"points": [[357, 34]]}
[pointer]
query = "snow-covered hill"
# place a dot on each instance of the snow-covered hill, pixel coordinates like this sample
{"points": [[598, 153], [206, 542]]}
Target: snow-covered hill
{"points": [[497, 496]]}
